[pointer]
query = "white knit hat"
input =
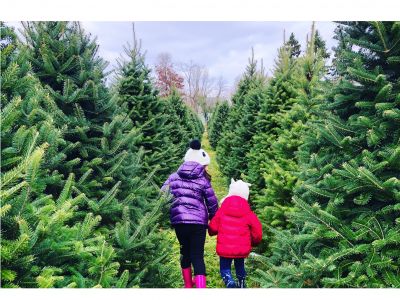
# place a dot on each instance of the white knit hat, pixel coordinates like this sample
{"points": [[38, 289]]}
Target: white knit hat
{"points": [[195, 153], [238, 188]]}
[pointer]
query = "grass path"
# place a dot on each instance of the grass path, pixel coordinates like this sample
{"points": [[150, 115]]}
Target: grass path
{"points": [[218, 182], [220, 187]]}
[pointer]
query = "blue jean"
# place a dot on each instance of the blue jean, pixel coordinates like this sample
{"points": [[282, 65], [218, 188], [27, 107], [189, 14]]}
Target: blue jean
{"points": [[225, 267]]}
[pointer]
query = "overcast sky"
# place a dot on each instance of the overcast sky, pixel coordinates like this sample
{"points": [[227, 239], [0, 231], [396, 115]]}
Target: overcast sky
{"points": [[223, 47]]}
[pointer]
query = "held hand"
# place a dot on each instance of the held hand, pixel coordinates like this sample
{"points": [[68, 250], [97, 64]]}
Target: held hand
{"points": [[211, 232]]}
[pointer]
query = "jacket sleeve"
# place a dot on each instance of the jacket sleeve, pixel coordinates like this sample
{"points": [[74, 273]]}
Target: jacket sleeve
{"points": [[165, 186], [211, 200], [214, 224], [255, 229]]}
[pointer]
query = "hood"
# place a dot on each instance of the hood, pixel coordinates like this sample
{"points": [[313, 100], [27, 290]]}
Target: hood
{"points": [[235, 206], [191, 170], [239, 188]]}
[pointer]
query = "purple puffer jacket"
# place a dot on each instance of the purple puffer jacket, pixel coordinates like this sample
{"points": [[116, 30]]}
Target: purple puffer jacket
{"points": [[194, 200]]}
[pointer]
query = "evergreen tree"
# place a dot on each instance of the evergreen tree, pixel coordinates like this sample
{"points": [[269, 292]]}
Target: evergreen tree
{"points": [[320, 45], [195, 124], [180, 123], [103, 143], [39, 247], [239, 128], [217, 122], [279, 96], [141, 246], [179, 136], [280, 166], [65, 60], [147, 111], [293, 46], [346, 225]]}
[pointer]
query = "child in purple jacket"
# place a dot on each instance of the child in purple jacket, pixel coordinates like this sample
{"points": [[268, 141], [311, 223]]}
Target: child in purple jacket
{"points": [[194, 203]]}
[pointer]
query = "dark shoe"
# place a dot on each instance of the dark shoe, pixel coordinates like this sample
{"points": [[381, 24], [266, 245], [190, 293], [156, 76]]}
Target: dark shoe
{"points": [[241, 282], [229, 281]]}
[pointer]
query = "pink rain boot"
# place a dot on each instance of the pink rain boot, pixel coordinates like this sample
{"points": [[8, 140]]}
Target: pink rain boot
{"points": [[200, 281], [187, 277]]}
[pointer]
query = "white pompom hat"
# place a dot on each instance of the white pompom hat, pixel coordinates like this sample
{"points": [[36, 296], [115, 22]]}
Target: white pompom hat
{"points": [[195, 153]]}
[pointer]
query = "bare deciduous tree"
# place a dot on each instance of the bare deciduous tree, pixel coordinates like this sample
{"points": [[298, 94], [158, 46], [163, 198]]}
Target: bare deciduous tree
{"points": [[201, 90], [220, 88]]}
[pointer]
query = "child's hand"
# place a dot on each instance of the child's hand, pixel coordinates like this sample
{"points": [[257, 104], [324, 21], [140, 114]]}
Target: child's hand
{"points": [[214, 224], [211, 232]]}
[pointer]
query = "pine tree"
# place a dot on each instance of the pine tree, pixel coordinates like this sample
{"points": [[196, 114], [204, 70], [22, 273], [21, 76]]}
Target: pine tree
{"points": [[65, 60], [38, 244], [147, 112], [293, 46], [320, 45], [279, 96], [22, 149], [280, 166], [103, 144], [141, 246], [195, 124], [239, 128], [180, 124], [217, 122], [347, 227]]}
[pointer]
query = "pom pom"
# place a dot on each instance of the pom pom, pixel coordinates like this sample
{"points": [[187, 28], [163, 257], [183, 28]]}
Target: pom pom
{"points": [[195, 144]]}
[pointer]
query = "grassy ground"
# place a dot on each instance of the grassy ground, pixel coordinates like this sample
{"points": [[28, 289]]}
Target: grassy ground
{"points": [[218, 183]]}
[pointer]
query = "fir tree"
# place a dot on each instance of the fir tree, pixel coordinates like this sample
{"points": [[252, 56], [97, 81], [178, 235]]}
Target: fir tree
{"points": [[180, 123], [147, 111], [347, 225], [141, 247], [39, 247], [65, 60], [320, 45], [280, 166], [238, 130], [217, 121], [293, 46], [103, 144], [280, 94], [195, 124]]}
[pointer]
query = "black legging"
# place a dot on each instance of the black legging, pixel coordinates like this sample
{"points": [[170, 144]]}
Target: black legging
{"points": [[191, 238]]}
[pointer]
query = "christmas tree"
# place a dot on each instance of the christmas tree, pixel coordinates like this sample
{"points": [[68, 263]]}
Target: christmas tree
{"points": [[293, 46], [147, 111], [320, 45], [39, 247], [195, 124], [217, 121], [107, 181], [65, 60], [346, 226], [280, 94], [239, 128], [280, 166], [182, 129]]}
